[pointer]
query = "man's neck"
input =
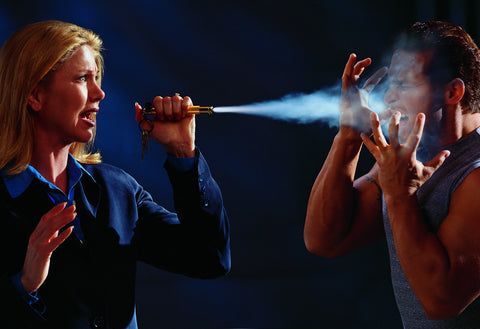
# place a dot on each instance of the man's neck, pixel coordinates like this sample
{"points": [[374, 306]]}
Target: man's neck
{"points": [[455, 124], [471, 122], [450, 124], [444, 129]]}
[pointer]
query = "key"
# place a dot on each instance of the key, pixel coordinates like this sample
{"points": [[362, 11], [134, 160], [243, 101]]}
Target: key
{"points": [[146, 125], [145, 135], [148, 112]]}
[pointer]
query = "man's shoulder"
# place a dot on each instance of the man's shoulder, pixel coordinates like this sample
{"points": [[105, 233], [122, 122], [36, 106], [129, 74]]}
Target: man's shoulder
{"points": [[465, 199], [470, 181]]}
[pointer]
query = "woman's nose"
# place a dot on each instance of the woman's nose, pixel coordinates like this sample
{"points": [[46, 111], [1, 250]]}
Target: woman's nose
{"points": [[96, 93]]}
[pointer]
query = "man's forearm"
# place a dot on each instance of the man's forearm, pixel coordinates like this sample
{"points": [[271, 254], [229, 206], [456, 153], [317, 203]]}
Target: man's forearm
{"points": [[330, 206], [423, 257]]}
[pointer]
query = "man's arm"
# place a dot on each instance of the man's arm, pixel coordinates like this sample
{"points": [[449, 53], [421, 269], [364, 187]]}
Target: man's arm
{"points": [[443, 268], [342, 214]]}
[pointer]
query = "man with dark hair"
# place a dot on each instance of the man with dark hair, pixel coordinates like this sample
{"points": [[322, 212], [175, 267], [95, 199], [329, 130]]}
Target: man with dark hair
{"points": [[426, 192]]}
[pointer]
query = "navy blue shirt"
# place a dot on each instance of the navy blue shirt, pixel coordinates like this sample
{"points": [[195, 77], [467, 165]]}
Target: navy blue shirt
{"points": [[94, 282], [17, 184]]}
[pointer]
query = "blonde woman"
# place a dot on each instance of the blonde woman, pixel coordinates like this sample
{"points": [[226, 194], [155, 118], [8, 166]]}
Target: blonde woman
{"points": [[74, 227]]}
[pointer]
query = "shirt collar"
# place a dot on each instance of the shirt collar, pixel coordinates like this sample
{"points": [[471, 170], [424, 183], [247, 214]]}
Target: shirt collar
{"points": [[17, 184]]}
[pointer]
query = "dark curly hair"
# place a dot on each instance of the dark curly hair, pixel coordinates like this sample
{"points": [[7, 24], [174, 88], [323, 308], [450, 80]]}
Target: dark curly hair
{"points": [[454, 55]]}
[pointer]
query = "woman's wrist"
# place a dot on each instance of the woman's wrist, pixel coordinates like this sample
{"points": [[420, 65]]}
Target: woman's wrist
{"points": [[181, 150]]}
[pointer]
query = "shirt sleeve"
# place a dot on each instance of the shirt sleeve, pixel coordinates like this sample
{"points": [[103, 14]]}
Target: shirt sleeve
{"points": [[194, 241], [182, 164], [29, 298]]}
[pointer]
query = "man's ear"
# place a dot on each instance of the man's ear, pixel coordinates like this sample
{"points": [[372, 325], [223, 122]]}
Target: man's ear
{"points": [[34, 99], [454, 92]]}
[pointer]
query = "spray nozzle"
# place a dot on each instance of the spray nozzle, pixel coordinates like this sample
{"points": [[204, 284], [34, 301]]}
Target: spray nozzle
{"points": [[149, 112]]}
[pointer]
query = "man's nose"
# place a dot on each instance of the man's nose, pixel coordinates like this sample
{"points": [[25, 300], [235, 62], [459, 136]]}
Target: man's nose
{"points": [[390, 95]]}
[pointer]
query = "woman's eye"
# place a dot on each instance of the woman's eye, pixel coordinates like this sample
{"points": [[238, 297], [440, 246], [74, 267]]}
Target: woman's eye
{"points": [[82, 78]]}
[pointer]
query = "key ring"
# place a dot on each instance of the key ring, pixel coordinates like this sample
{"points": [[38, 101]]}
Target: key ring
{"points": [[150, 126]]}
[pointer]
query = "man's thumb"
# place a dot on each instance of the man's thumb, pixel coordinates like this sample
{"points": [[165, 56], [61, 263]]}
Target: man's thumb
{"points": [[438, 160]]}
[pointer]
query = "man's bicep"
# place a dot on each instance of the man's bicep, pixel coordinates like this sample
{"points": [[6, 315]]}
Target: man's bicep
{"points": [[459, 233], [367, 225], [461, 228], [369, 212]]}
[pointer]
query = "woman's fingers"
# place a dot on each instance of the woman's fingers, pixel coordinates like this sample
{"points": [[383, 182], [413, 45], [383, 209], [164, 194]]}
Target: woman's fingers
{"points": [[158, 105], [138, 112], [44, 220], [55, 223], [55, 210], [171, 108], [186, 103], [167, 108], [177, 113], [57, 241]]}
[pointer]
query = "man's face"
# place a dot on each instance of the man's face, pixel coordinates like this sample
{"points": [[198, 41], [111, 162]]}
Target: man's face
{"points": [[409, 89]]}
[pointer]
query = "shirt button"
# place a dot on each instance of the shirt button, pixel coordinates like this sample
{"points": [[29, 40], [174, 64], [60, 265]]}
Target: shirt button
{"points": [[98, 322]]}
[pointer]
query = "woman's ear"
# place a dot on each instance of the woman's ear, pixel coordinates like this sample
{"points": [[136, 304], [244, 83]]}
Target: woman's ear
{"points": [[454, 92], [34, 99]]}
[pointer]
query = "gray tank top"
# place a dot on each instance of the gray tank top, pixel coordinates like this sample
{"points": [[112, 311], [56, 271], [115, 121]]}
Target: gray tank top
{"points": [[434, 199]]}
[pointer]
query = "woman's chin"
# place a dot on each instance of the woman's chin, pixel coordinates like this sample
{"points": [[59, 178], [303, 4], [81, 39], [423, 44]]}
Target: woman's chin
{"points": [[84, 137]]}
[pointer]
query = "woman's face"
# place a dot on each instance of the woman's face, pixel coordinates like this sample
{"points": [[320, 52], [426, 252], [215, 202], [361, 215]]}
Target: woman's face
{"points": [[69, 100]]}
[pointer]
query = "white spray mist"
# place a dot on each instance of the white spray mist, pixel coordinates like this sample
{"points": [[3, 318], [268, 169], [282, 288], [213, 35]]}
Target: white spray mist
{"points": [[321, 106]]}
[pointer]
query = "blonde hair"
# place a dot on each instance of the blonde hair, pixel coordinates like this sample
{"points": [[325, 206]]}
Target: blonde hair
{"points": [[25, 59]]}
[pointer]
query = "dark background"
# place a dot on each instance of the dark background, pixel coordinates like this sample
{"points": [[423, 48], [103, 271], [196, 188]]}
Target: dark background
{"points": [[234, 53]]}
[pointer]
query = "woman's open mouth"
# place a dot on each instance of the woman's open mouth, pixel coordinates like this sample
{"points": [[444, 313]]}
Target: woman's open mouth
{"points": [[89, 117]]}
